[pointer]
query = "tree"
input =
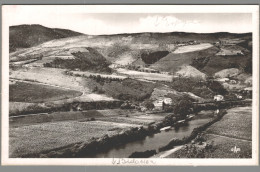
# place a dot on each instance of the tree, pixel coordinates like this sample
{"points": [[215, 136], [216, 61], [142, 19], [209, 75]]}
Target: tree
{"points": [[149, 105], [183, 107]]}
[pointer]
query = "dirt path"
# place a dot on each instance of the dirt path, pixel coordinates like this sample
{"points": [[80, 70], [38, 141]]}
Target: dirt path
{"points": [[167, 153]]}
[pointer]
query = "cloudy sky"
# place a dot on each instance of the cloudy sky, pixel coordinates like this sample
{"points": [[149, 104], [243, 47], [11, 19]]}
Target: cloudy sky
{"points": [[111, 23]]}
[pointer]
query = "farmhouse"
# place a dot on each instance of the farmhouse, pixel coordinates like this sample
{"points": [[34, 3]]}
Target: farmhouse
{"points": [[218, 97], [161, 102]]}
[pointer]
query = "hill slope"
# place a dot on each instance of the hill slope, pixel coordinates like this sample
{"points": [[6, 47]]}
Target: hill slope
{"points": [[172, 62], [25, 36]]}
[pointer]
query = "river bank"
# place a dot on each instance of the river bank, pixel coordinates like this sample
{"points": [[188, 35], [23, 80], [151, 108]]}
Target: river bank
{"points": [[94, 146], [230, 137]]}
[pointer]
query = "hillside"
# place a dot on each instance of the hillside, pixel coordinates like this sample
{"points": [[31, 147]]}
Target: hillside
{"points": [[25, 36], [172, 62], [165, 52]]}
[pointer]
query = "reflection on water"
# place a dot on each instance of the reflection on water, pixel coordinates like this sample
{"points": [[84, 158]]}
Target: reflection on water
{"points": [[154, 141]]}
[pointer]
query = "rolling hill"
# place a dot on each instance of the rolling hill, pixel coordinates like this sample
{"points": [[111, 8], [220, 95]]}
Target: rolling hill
{"points": [[25, 36], [160, 51]]}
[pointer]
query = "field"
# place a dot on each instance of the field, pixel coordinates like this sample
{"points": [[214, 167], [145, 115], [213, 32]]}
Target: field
{"points": [[37, 133], [232, 132], [49, 76], [191, 48], [37, 93], [237, 124], [145, 75], [47, 136]]}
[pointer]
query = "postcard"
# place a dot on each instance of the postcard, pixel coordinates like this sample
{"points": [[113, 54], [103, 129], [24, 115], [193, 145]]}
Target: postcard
{"points": [[130, 85]]}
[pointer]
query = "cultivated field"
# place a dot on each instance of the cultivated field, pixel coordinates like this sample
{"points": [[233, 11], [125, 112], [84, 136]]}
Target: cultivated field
{"points": [[145, 75], [38, 93], [237, 123], [191, 48], [37, 133], [231, 137], [48, 136]]}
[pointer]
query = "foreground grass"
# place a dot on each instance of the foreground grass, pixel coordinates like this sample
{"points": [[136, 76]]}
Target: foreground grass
{"points": [[233, 130], [237, 123], [48, 136]]}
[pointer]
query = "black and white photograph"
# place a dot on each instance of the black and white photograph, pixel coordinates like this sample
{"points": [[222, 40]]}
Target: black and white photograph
{"points": [[130, 85]]}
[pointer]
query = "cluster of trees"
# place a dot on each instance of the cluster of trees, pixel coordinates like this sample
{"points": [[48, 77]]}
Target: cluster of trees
{"points": [[99, 78], [183, 107], [204, 89]]}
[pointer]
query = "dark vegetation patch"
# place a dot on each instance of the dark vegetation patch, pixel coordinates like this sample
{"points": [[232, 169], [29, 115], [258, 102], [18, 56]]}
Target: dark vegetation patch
{"points": [[152, 57], [25, 36], [91, 60], [205, 89], [145, 154], [127, 89], [35, 93], [65, 107], [218, 63]]}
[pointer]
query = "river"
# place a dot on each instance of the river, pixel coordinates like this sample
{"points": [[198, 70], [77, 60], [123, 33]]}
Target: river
{"points": [[157, 140]]}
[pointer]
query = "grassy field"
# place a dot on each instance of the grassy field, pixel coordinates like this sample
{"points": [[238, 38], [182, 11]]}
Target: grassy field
{"points": [[36, 133], [145, 75], [47, 136], [233, 130], [50, 76], [191, 48], [36, 93], [237, 123], [129, 120]]}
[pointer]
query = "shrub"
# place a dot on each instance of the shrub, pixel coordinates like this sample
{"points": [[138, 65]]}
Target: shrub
{"points": [[183, 107]]}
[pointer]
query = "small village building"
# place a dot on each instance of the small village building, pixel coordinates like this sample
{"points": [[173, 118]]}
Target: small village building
{"points": [[168, 101], [232, 81], [218, 98], [161, 102]]}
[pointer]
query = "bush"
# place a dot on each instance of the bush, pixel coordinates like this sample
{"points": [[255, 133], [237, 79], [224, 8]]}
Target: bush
{"points": [[145, 154], [184, 107], [149, 105]]}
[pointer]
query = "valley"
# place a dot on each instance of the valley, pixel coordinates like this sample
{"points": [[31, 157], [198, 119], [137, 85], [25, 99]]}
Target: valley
{"points": [[75, 92]]}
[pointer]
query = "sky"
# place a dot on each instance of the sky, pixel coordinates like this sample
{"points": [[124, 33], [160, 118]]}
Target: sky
{"points": [[81, 20]]}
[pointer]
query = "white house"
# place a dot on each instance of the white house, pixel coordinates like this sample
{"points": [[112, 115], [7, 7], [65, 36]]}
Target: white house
{"points": [[167, 101], [218, 97], [160, 102]]}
